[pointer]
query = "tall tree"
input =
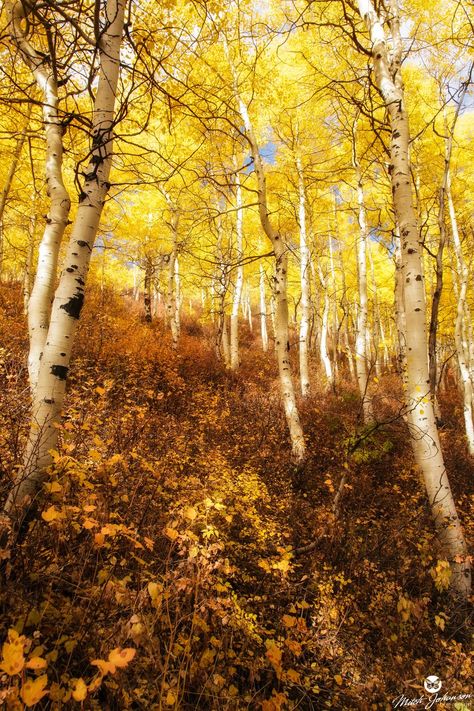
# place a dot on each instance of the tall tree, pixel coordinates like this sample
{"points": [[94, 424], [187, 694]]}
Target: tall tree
{"points": [[386, 52]]}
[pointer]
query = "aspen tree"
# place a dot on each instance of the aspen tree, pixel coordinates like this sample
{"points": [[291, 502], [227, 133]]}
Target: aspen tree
{"points": [[386, 57], [239, 280], [304, 281], [50, 386], [44, 72], [361, 348], [279, 280], [263, 310], [463, 324]]}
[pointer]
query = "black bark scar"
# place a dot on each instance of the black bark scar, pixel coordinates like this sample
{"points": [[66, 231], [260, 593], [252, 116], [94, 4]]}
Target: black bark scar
{"points": [[74, 305], [60, 371]]}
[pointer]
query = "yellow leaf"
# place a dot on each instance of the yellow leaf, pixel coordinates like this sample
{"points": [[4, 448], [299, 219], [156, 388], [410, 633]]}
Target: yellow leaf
{"points": [[79, 692], [293, 676], [289, 620], [53, 488], [273, 653], [89, 523], [104, 667], [171, 533], [154, 591], [36, 663], [52, 514], [99, 539], [99, 390], [33, 691], [122, 657], [170, 698], [95, 455], [12, 652], [190, 513], [338, 679]]}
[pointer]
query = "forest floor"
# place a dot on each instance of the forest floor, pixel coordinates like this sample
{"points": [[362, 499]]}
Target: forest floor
{"points": [[170, 522]]}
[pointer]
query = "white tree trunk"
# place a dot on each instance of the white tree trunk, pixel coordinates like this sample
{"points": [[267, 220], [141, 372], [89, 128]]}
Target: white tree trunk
{"points": [[177, 293], [263, 311], [39, 309], [239, 280], [323, 341], [280, 288], [425, 439], [463, 326], [48, 395], [171, 300], [305, 283], [30, 251], [362, 346]]}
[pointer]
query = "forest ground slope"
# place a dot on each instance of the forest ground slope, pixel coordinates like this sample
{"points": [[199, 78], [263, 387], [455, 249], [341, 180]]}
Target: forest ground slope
{"points": [[172, 522]]}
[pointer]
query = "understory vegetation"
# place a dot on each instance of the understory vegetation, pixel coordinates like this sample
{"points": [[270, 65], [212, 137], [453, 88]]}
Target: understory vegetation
{"points": [[181, 561]]}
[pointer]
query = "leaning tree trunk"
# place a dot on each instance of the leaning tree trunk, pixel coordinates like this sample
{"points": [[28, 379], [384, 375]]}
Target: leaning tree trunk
{"points": [[48, 394], [425, 439], [280, 251]]}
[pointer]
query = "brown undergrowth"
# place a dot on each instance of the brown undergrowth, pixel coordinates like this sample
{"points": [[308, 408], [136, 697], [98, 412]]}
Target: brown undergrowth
{"points": [[169, 526]]}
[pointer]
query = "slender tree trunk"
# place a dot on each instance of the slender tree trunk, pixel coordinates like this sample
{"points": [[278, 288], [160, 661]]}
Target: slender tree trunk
{"points": [[171, 299], [425, 439], [30, 250], [39, 310], [335, 314], [435, 302], [263, 311], [361, 338], [464, 340], [305, 283], [48, 395], [323, 341], [239, 281], [280, 289], [177, 294], [147, 290]]}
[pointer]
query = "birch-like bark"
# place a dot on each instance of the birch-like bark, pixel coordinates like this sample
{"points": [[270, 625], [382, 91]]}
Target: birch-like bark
{"points": [[177, 300], [361, 346], [30, 250], [425, 439], [171, 299], [263, 311], [172, 311], [39, 309], [305, 283], [323, 341], [9, 179], [335, 315], [48, 395], [147, 290], [464, 340], [221, 343], [239, 279], [279, 287]]}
